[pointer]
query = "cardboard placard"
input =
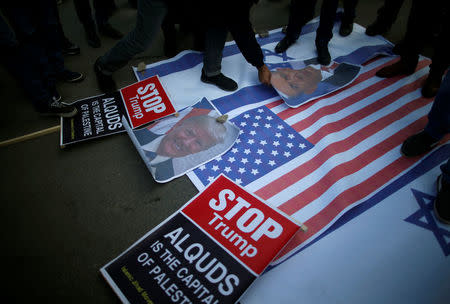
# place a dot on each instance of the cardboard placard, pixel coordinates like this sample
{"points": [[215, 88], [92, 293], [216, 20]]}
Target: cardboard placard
{"points": [[146, 101], [210, 251]]}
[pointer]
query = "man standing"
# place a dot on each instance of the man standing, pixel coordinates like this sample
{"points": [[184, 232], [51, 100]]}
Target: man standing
{"points": [[206, 14]]}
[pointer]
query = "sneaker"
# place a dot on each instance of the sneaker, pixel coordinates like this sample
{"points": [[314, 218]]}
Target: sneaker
{"points": [[221, 81], [69, 48], [323, 55], [346, 29], [442, 201], [399, 68], [70, 76], [284, 44], [108, 31], [105, 81], [56, 97], [418, 144], [377, 28], [92, 38], [59, 109], [431, 85]]}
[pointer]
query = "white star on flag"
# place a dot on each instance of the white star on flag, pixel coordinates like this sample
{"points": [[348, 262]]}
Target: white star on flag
{"points": [[241, 170], [258, 161], [244, 161], [255, 171], [215, 168]]}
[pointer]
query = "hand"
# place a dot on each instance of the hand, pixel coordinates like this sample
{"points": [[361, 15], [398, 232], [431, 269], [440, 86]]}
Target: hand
{"points": [[264, 75]]}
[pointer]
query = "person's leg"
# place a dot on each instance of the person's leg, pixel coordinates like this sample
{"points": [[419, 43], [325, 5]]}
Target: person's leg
{"points": [[386, 16], [150, 15], [325, 31], [67, 46], [103, 11], [84, 13], [440, 60], [416, 32], [170, 35], [300, 12], [48, 34], [438, 124], [442, 201], [28, 61], [215, 38], [348, 17]]}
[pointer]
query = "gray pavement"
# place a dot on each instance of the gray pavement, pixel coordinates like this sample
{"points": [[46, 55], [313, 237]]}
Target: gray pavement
{"points": [[67, 212]]}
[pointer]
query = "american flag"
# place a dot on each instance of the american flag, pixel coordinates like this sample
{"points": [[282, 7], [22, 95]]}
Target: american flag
{"points": [[329, 154]]}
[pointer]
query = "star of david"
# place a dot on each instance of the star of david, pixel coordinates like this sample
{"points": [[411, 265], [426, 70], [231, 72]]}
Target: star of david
{"points": [[424, 218], [283, 55]]}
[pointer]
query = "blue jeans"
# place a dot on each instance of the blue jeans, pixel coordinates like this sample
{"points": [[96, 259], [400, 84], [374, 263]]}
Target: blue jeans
{"points": [[150, 14]]}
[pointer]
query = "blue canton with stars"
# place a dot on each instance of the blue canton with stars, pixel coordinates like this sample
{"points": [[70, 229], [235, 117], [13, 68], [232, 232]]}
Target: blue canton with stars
{"points": [[424, 218], [265, 142]]}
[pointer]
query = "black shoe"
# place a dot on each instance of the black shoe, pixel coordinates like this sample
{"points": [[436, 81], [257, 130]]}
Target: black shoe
{"points": [[59, 109], [108, 31], [323, 55], [221, 81], [92, 38], [442, 201], [105, 82], [418, 144], [69, 48], [346, 29], [284, 44], [398, 48], [431, 85], [377, 28], [401, 67], [70, 76]]}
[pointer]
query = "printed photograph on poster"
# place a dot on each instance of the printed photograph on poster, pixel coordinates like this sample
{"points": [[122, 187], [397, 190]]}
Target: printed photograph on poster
{"points": [[175, 145], [298, 82], [146, 101], [209, 251], [98, 116]]}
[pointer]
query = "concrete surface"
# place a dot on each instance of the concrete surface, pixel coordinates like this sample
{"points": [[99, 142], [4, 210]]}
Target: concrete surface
{"points": [[68, 212]]}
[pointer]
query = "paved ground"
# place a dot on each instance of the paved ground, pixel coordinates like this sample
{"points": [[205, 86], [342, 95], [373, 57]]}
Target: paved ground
{"points": [[68, 212]]}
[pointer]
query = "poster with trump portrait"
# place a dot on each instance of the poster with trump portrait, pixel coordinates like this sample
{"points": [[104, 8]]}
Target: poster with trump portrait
{"points": [[298, 82], [177, 144]]}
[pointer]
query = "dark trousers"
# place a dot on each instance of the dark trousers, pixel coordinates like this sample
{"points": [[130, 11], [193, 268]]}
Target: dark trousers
{"points": [[387, 14], [103, 11], [150, 15], [439, 119], [302, 11], [328, 17], [34, 55], [421, 21]]}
